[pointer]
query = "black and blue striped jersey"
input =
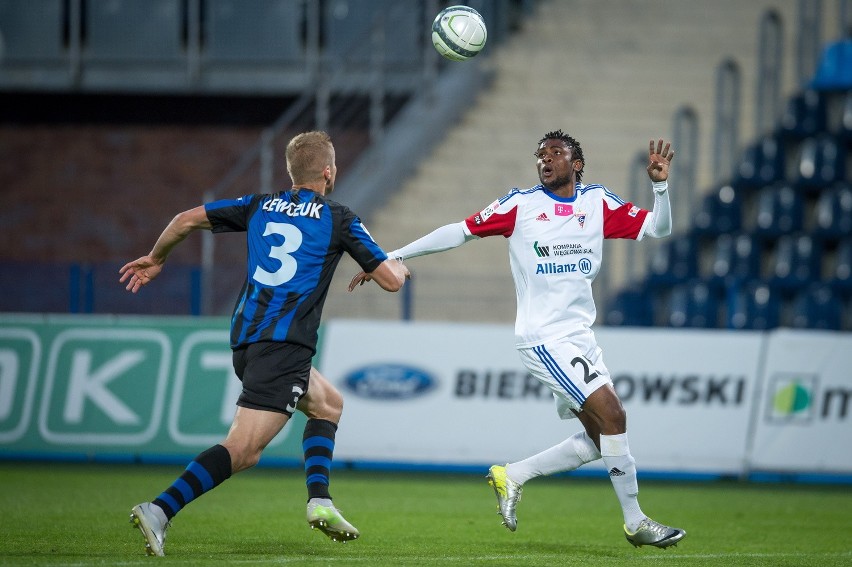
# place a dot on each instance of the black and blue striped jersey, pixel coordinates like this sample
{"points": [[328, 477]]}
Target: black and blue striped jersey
{"points": [[295, 239]]}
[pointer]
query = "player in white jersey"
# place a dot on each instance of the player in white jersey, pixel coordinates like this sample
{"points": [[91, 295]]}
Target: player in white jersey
{"points": [[555, 232]]}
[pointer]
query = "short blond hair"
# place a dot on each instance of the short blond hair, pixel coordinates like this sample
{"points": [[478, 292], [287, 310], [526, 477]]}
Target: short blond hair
{"points": [[308, 154]]}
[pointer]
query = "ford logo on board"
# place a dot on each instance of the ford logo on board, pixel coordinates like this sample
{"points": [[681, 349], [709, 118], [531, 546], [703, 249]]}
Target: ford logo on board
{"points": [[389, 382]]}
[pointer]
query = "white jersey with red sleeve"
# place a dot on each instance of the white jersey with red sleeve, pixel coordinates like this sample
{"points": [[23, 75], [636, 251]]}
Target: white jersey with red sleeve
{"points": [[555, 252]]}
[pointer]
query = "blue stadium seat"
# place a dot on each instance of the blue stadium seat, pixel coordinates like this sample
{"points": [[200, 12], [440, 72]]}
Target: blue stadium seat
{"points": [[720, 213], [694, 304], [755, 305], [844, 129], [762, 164], [797, 262], [834, 71], [804, 115], [630, 308], [736, 259], [817, 307], [821, 162], [675, 260], [833, 212], [840, 276], [779, 211]]}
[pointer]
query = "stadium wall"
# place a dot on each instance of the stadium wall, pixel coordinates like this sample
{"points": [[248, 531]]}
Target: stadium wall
{"points": [[431, 396]]}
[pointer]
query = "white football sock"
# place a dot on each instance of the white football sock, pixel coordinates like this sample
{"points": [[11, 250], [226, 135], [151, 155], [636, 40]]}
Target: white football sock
{"points": [[566, 456], [622, 472]]}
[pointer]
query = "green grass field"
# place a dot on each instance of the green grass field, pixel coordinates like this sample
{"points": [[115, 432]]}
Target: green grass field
{"points": [[73, 514]]}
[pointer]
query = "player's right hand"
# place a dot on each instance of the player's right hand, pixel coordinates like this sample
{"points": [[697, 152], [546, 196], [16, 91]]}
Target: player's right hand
{"points": [[140, 272]]}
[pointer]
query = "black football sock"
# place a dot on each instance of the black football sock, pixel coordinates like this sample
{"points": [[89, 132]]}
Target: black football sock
{"points": [[318, 445], [209, 469]]}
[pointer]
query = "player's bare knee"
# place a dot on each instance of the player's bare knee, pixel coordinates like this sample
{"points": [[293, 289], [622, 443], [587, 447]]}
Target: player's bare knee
{"points": [[616, 421], [250, 459], [335, 405], [603, 414], [612, 419]]}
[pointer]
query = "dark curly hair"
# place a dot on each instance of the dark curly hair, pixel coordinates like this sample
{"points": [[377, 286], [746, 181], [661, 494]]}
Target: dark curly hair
{"points": [[576, 150]]}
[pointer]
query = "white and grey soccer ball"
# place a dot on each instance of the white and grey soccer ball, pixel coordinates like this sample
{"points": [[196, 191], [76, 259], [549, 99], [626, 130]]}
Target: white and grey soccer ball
{"points": [[459, 33]]}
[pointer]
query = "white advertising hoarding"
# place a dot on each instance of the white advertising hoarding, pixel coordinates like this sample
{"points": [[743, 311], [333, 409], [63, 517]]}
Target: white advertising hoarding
{"points": [[688, 394], [435, 393], [457, 394], [804, 414]]}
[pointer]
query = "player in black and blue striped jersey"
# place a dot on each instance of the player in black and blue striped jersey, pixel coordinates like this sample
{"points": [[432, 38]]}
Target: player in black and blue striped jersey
{"points": [[295, 239]]}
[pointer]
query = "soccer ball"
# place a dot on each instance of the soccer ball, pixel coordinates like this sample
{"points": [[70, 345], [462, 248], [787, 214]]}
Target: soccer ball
{"points": [[458, 33]]}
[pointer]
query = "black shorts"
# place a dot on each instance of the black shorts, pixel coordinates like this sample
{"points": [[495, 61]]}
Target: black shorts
{"points": [[274, 375]]}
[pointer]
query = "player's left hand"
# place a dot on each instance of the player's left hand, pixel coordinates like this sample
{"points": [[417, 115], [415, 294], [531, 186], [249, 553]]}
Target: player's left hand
{"points": [[359, 279], [659, 159]]}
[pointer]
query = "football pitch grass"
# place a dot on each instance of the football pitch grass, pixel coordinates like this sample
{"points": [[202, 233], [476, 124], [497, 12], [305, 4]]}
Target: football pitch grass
{"points": [[78, 514]]}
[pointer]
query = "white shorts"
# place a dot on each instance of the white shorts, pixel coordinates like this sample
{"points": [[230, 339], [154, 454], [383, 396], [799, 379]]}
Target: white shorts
{"points": [[572, 375]]}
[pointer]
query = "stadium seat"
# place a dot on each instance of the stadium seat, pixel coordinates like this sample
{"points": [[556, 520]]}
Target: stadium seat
{"points": [[133, 31], [736, 258], [31, 31], [817, 307], [779, 211], [720, 213], [754, 305], [834, 71], [630, 308], [674, 260], [833, 212], [840, 276], [844, 130], [762, 164], [694, 304], [347, 26], [803, 116], [261, 31], [797, 262], [820, 162]]}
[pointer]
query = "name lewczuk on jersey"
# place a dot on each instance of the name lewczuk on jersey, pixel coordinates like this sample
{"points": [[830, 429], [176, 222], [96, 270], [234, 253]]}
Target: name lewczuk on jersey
{"points": [[292, 209]]}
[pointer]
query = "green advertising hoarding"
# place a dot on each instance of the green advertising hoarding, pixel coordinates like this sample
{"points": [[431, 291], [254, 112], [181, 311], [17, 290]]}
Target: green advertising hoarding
{"points": [[120, 387]]}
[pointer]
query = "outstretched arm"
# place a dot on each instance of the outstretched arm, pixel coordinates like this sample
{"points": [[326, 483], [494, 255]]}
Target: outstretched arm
{"points": [[444, 238], [142, 270], [659, 222]]}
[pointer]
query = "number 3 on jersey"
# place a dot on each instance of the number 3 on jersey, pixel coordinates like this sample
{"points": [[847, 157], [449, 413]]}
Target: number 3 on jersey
{"points": [[292, 241]]}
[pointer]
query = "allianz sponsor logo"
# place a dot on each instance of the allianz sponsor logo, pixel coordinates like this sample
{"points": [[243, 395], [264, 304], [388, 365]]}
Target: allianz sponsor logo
{"points": [[583, 265], [293, 209], [389, 382]]}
